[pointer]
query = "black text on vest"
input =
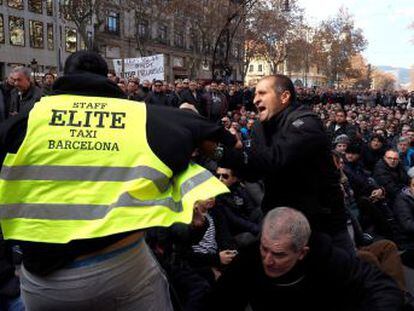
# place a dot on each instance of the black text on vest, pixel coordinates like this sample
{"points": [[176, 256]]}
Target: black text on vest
{"points": [[95, 119]]}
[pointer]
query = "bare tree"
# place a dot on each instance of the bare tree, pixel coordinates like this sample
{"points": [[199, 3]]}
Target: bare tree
{"points": [[218, 27], [251, 50], [83, 13], [275, 29], [146, 12], [383, 80], [338, 41]]}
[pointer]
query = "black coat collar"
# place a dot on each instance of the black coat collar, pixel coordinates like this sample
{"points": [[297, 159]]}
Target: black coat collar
{"points": [[87, 84]]}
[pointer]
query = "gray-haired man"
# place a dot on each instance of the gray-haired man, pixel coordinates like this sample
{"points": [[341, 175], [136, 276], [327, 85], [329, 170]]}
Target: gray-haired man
{"points": [[25, 94], [291, 270]]}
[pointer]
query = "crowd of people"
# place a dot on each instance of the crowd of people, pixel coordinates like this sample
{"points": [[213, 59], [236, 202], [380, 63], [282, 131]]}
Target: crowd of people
{"points": [[315, 181]]}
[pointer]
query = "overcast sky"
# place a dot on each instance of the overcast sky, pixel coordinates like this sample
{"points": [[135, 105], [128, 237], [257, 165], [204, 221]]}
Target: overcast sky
{"points": [[384, 23]]}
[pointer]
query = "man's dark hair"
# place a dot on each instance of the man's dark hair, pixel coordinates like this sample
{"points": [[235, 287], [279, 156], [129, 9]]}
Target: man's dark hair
{"points": [[379, 137], [48, 74], [83, 61], [283, 83], [353, 148]]}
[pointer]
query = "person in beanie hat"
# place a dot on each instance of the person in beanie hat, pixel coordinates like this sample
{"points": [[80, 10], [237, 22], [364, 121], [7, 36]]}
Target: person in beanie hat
{"points": [[341, 143]]}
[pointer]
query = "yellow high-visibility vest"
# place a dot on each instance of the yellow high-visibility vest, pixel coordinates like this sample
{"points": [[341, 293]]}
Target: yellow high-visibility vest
{"points": [[85, 170]]}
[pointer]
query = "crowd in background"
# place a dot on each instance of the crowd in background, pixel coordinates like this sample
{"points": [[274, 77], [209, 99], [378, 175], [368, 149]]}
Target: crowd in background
{"points": [[372, 134]]}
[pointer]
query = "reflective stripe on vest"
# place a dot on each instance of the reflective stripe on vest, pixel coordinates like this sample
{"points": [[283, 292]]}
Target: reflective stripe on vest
{"points": [[85, 173], [82, 173], [90, 212]]}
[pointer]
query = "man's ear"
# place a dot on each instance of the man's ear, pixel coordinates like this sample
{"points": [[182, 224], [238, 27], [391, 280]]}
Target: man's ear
{"points": [[285, 97], [303, 252]]}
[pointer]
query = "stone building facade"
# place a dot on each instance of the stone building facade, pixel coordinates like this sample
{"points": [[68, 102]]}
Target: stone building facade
{"points": [[32, 34], [124, 32]]}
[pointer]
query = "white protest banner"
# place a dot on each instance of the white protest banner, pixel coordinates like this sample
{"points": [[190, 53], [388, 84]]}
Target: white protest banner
{"points": [[145, 68]]}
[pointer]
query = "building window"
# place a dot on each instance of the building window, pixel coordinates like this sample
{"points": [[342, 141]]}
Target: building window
{"points": [[35, 6], [179, 39], [49, 7], [143, 29], [163, 33], [16, 30], [36, 34], [71, 39], [251, 68], [15, 4], [2, 40], [50, 37], [112, 23], [260, 68]]}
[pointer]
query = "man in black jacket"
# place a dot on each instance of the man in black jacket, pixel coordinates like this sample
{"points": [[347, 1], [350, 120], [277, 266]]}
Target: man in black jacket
{"points": [[291, 153], [369, 195], [341, 126], [9, 282], [239, 209], [157, 96], [25, 93], [5, 89], [404, 213], [291, 270], [390, 174], [192, 96], [372, 152]]}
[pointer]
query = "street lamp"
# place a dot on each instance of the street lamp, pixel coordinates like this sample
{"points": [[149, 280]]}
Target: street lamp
{"points": [[34, 66]]}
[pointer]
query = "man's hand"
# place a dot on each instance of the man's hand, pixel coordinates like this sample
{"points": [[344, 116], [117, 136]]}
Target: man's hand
{"points": [[239, 143], [198, 215], [376, 194]]}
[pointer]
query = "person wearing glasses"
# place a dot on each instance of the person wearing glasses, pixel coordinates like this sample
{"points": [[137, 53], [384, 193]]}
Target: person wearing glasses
{"points": [[242, 215], [390, 174], [157, 96]]}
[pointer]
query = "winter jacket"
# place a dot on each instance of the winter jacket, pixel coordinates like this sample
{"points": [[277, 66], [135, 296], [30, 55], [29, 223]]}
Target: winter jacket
{"points": [[404, 215], [291, 153], [359, 180], [347, 129], [237, 207], [24, 102], [327, 279], [159, 99], [370, 157], [184, 130], [392, 179]]}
